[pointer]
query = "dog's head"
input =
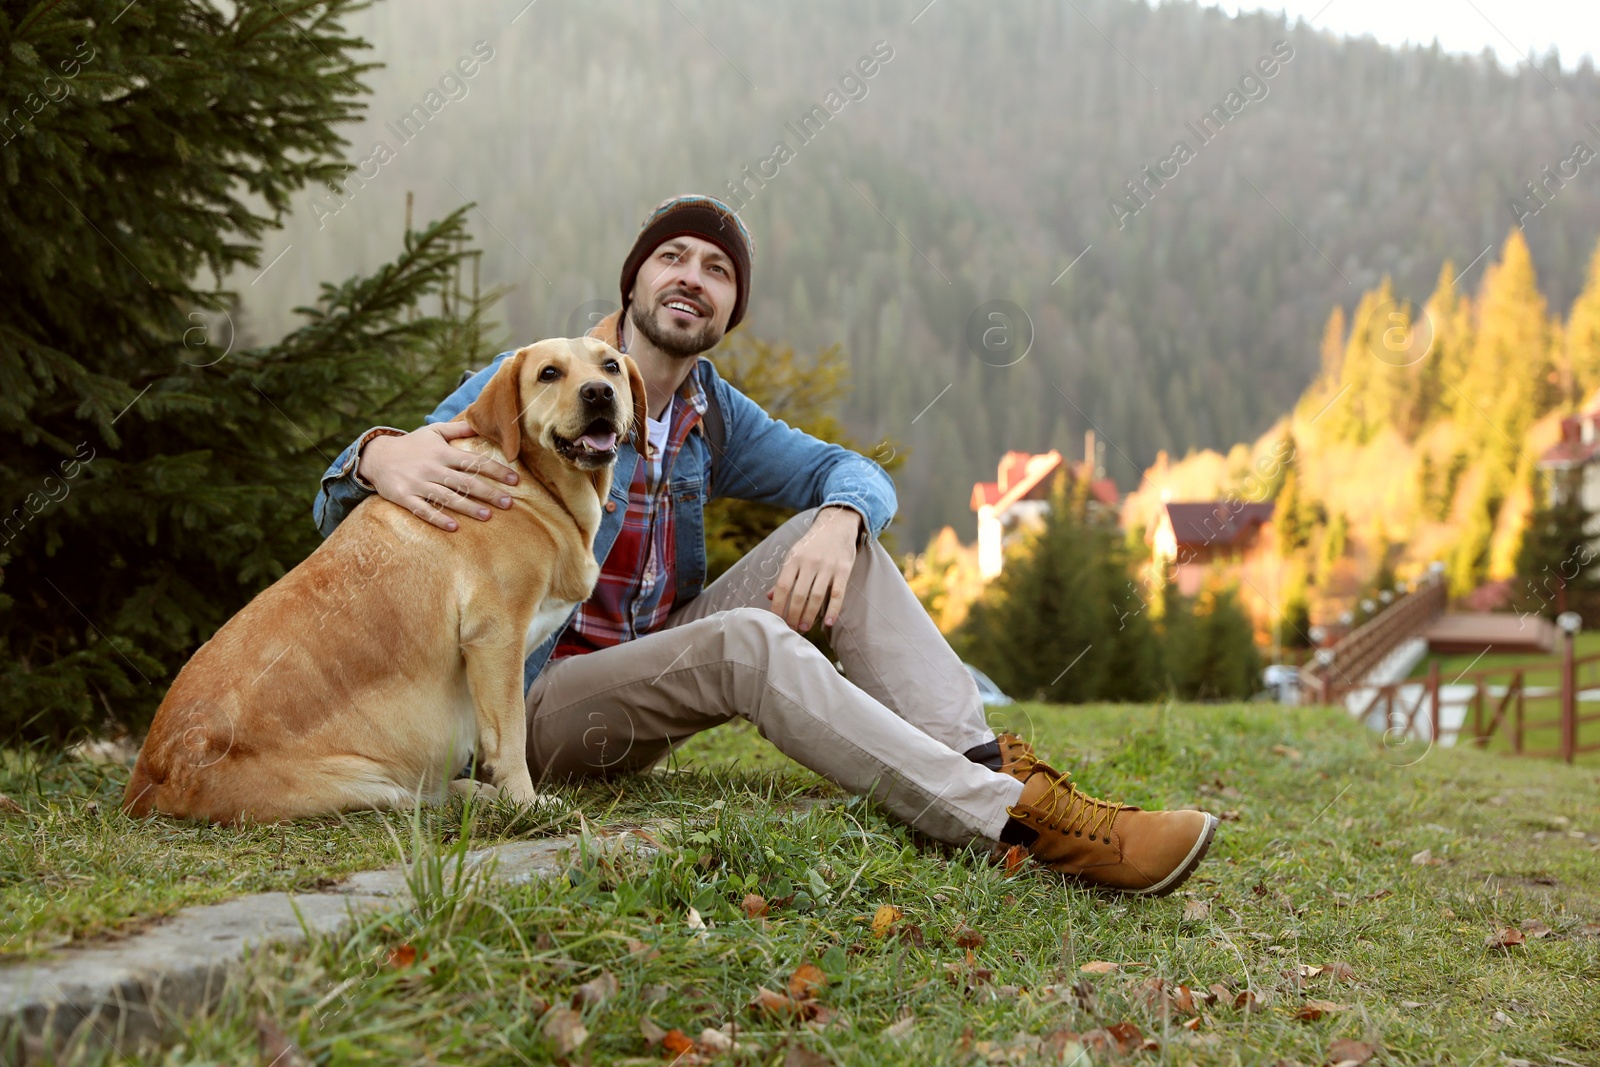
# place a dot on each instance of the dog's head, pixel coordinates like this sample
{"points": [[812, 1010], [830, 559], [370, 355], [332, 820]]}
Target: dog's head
{"points": [[572, 397]]}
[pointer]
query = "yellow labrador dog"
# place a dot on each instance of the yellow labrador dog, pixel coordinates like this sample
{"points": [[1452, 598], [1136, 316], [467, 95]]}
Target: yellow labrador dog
{"points": [[364, 677]]}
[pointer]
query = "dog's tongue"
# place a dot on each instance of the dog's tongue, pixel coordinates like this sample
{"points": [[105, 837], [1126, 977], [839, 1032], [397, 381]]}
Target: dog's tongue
{"points": [[599, 442]]}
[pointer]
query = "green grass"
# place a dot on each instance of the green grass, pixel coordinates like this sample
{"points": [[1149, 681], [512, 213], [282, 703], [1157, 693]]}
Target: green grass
{"points": [[1314, 866], [75, 867], [1453, 666]]}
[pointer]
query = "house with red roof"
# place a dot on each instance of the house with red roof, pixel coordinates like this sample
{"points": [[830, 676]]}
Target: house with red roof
{"points": [[1020, 497], [1577, 455], [1189, 536]]}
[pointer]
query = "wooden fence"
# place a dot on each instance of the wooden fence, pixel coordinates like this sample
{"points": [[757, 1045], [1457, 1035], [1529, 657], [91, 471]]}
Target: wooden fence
{"points": [[1540, 701]]}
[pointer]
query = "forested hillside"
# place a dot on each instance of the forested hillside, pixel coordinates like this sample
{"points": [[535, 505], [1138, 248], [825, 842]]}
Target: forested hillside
{"points": [[980, 158], [1417, 442]]}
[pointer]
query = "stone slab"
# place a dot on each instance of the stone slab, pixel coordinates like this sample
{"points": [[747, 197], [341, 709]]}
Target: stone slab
{"points": [[130, 991]]}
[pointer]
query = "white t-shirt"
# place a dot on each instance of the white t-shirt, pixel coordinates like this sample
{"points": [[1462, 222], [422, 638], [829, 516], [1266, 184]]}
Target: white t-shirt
{"points": [[657, 432]]}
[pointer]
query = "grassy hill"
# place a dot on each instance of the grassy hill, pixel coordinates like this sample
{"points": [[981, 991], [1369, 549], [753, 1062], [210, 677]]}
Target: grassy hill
{"points": [[1349, 882]]}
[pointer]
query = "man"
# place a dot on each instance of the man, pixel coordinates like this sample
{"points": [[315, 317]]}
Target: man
{"points": [[652, 658]]}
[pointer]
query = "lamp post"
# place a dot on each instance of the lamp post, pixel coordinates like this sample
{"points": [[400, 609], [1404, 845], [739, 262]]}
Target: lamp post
{"points": [[1569, 622]]}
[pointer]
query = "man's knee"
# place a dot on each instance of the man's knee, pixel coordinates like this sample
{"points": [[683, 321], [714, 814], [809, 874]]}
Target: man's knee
{"points": [[753, 635]]}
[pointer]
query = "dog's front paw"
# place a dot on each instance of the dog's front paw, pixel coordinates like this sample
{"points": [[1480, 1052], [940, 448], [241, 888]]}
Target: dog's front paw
{"points": [[525, 795]]}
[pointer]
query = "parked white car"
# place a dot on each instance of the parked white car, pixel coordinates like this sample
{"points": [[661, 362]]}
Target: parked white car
{"points": [[990, 692]]}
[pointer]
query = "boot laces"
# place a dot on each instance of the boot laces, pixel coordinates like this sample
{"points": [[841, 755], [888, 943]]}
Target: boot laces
{"points": [[1068, 809]]}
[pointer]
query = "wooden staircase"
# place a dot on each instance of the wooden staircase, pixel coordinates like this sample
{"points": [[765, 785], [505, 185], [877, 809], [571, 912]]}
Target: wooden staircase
{"points": [[1332, 672]]}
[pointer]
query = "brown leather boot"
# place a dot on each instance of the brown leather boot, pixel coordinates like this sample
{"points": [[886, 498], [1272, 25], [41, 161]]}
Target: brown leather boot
{"points": [[1116, 846], [1016, 756]]}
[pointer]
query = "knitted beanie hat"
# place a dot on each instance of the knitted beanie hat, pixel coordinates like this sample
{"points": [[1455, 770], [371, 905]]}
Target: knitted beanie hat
{"points": [[695, 216]]}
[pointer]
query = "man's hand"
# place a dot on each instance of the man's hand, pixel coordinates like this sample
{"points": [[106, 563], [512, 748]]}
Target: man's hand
{"points": [[818, 569], [424, 475]]}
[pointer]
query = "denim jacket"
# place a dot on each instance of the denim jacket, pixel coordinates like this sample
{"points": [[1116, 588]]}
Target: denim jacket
{"points": [[766, 460]]}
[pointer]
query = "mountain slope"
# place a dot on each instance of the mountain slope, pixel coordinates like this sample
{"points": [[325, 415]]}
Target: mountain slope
{"points": [[978, 161]]}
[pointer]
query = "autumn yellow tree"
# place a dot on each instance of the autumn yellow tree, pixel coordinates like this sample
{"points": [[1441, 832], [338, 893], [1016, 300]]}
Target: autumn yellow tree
{"points": [[1511, 377], [1448, 318], [1580, 369]]}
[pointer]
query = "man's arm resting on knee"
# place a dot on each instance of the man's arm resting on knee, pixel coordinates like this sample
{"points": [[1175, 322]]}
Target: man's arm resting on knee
{"points": [[769, 461], [417, 470]]}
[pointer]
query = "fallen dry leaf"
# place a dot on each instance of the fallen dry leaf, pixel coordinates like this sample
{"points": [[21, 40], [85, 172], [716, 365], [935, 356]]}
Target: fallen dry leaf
{"points": [[1426, 858], [967, 937], [9, 806], [596, 991], [1099, 967], [754, 906], [639, 948], [714, 1041], [1380, 894], [1287, 752], [1340, 971], [402, 955], [1231, 815], [1504, 938], [900, 1029], [910, 933], [1082, 993], [797, 1056], [806, 980], [653, 1034], [1535, 928], [1247, 1001], [1127, 1037], [1305, 970], [1348, 1053], [885, 918], [1192, 1024], [1221, 994], [677, 1042], [564, 1029], [1447, 913], [277, 1050], [1312, 1010], [818, 1016], [773, 1003], [1196, 910]]}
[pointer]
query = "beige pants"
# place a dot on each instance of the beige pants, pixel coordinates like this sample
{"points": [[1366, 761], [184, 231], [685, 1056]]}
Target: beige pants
{"points": [[895, 730]]}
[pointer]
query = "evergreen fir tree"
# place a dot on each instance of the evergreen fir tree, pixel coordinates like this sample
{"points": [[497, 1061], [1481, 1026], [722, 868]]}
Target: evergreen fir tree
{"points": [[1350, 416], [157, 479], [1332, 348], [1581, 370], [1291, 513], [1510, 380], [1210, 648], [1556, 563], [1064, 621]]}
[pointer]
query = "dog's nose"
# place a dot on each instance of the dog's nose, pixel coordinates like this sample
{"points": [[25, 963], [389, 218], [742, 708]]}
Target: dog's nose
{"points": [[597, 392]]}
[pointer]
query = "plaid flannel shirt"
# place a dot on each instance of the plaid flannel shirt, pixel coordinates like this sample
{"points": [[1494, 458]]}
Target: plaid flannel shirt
{"points": [[635, 592]]}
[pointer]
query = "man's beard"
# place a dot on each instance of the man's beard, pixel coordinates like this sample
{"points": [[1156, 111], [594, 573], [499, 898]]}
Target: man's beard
{"points": [[678, 343]]}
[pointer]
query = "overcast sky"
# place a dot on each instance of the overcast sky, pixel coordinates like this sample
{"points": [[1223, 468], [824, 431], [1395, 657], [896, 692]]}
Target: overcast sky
{"points": [[1512, 28]]}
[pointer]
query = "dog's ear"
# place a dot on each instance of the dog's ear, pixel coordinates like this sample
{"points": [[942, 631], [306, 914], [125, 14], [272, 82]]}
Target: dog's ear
{"points": [[497, 413], [641, 407]]}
